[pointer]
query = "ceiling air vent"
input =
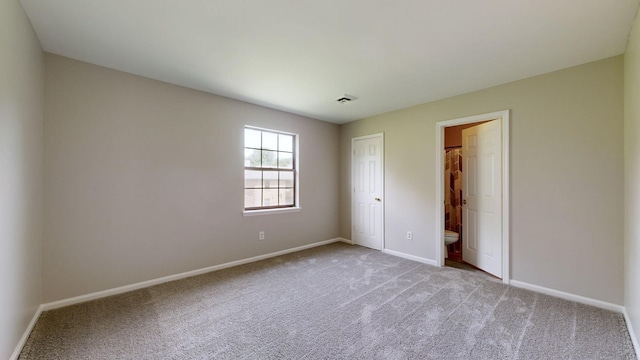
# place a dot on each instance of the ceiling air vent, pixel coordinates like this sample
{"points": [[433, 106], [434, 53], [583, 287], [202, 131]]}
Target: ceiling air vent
{"points": [[346, 99]]}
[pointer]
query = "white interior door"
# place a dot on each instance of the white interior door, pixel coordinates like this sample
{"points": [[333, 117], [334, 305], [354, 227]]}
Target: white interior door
{"points": [[482, 197], [367, 201]]}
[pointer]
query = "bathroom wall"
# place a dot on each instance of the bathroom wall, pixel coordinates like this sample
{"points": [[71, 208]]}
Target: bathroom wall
{"points": [[453, 189], [21, 122], [453, 134], [566, 133], [632, 176], [144, 179]]}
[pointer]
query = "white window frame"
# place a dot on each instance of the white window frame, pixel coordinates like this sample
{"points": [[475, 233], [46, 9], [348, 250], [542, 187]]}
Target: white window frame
{"points": [[296, 166]]}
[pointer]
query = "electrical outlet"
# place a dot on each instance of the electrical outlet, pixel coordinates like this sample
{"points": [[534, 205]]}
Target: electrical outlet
{"points": [[409, 235], [261, 235]]}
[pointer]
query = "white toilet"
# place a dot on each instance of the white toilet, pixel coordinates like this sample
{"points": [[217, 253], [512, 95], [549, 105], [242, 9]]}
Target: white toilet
{"points": [[450, 237]]}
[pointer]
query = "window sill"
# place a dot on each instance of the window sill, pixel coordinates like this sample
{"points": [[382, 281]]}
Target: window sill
{"points": [[270, 211]]}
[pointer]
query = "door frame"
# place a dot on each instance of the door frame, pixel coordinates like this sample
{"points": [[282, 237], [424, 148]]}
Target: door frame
{"points": [[503, 117], [353, 149]]}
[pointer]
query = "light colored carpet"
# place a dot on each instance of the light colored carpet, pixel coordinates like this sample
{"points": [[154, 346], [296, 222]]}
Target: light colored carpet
{"points": [[333, 302]]}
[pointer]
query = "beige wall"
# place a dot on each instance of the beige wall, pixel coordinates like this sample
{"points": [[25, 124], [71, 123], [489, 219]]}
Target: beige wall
{"points": [[21, 104], [632, 176], [144, 179], [566, 176]]}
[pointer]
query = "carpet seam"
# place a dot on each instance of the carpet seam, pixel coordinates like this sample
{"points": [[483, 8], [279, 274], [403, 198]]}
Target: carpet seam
{"points": [[377, 287], [489, 313], [526, 327]]}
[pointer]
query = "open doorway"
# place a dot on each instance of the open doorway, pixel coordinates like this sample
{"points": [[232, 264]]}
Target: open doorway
{"points": [[453, 191], [481, 199]]}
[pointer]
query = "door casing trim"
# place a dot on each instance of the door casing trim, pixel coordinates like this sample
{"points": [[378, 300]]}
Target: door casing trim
{"points": [[503, 117]]}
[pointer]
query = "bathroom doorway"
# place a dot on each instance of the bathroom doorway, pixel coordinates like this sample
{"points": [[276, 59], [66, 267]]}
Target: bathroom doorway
{"points": [[486, 238], [453, 172]]}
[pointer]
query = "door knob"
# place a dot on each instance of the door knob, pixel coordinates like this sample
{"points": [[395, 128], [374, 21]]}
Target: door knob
{"points": [[378, 199]]}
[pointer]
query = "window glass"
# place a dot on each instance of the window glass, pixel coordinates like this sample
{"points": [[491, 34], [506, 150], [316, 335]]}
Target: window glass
{"points": [[252, 157], [269, 159], [252, 138], [285, 160], [285, 143], [252, 198], [269, 140], [270, 179], [286, 179]]}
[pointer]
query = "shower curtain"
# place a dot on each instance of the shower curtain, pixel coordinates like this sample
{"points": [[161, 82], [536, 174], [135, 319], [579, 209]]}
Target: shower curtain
{"points": [[453, 190]]}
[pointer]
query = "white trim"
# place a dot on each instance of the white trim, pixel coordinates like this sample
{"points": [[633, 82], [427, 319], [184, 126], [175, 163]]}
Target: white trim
{"points": [[296, 166], [351, 189], [410, 257], [568, 296], [440, 153], [148, 283], [27, 332], [269, 130], [632, 334], [270, 211], [506, 190], [503, 117], [347, 241]]}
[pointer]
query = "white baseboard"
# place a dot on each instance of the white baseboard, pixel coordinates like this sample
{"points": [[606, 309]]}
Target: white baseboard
{"points": [[410, 257], [347, 241], [632, 334], [25, 336], [568, 296], [148, 283]]}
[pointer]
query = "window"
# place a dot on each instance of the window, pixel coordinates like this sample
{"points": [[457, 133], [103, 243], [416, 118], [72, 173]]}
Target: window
{"points": [[269, 169]]}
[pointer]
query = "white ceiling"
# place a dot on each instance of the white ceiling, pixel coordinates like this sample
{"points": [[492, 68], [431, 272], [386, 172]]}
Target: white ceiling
{"points": [[301, 55]]}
